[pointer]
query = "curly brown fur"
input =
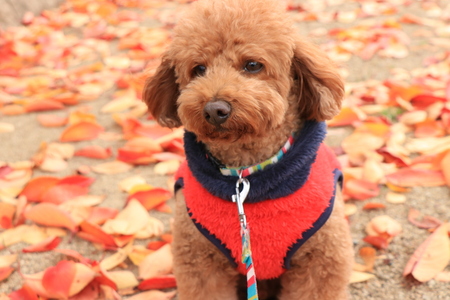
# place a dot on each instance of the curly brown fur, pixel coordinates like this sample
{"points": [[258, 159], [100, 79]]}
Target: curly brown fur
{"points": [[297, 83]]}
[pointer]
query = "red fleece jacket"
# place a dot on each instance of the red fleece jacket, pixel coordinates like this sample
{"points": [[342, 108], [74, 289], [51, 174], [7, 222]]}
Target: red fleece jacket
{"points": [[277, 226]]}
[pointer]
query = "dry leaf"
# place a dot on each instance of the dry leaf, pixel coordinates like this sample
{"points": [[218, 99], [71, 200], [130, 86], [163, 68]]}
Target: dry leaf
{"points": [[431, 257], [156, 264], [113, 167], [360, 276]]}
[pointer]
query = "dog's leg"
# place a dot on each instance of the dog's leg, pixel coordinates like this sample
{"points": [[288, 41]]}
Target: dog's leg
{"points": [[321, 267], [201, 270]]}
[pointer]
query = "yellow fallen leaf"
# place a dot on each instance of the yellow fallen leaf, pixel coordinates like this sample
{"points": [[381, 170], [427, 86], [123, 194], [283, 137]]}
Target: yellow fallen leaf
{"points": [[395, 198], [129, 221], [138, 254], [7, 260], [431, 257], [350, 209], [128, 183], [123, 279], [357, 276], [117, 258], [6, 127], [167, 167]]}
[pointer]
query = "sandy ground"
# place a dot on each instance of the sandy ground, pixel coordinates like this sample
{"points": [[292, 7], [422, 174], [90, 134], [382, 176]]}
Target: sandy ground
{"points": [[388, 284]]}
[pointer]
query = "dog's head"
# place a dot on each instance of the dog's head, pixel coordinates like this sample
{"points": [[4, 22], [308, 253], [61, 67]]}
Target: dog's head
{"points": [[235, 68]]}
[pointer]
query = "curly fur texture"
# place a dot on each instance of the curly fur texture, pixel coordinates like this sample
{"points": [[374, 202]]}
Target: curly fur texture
{"points": [[297, 82]]}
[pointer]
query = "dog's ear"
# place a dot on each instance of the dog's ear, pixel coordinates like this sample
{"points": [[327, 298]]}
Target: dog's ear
{"points": [[320, 87], [160, 94]]}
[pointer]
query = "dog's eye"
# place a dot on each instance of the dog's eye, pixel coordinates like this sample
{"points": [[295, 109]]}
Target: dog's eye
{"points": [[198, 71], [253, 66]]}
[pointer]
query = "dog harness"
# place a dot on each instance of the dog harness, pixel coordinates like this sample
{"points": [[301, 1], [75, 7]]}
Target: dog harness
{"points": [[286, 204]]}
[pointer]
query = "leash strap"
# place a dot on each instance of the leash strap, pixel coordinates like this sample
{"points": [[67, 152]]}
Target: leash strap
{"points": [[239, 198]]}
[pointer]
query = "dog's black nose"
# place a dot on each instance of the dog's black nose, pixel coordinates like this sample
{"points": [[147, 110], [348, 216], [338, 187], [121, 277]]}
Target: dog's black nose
{"points": [[217, 112]]}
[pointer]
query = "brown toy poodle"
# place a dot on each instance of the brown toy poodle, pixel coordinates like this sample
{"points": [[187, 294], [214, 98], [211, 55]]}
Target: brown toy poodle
{"points": [[253, 98]]}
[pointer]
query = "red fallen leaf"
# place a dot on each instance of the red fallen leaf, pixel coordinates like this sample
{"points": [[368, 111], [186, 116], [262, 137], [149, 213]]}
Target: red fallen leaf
{"points": [[155, 245], [52, 120], [373, 205], [404, 92], [95, 234], [408, 177], [427, 222], [431, 257], [360, 189], [36, 187], [391, 158], [90, 292], [423, 101], [161, 282], [58, 279], [445, 166], [48, 244], [43, 105], [74, 254], [94, 151], [99, 215], [376, 241], [7, 212], [5, 272], [429, 128], [151, 198], [175, 146], [347, 116], [25, 293], [63, 192], [102, 278], [79, 180], [49, 214], [81, 131]]}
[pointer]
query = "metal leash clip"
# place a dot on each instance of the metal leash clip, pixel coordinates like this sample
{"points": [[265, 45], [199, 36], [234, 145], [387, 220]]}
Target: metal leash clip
{"points": [[240, 197]]}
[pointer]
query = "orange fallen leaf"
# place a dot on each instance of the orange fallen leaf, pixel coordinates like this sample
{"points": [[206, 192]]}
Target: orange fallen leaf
{"points": [[360, 189], [408, 177], [94, 151], [43, 105], [49, 214], [113, 167], [373, 205], [48, 244], [100, 215], [63, 192], [81, 131], [347, 116], [95, 234], [151, 198], [157, 263], [377, 241], [368, 254], [7, 212], [48, 120], [429, 128], [431, 257], [155, 245], [36, 187]]}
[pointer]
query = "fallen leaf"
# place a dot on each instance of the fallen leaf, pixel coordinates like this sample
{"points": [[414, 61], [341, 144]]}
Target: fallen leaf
{"points": [[46, 245], [409, 177], [49, 214], [373, 205], [166, 167], [58, 279], [431, 257], [154, 295], [113, 167], [360, 189], [25, 293], [5, 272], [360, 276], [94, 151], [443, 276], [377, 241], [128, 221], [36, 187], [7, 260], [383, 225], [123, 279], [368, 254], [151, 198], [395, 198], [95, 234], [160, 282], [427, 221], [81, 132], [157, 263]]}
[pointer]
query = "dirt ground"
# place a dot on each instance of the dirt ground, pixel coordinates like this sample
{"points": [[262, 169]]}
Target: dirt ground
{"points": [[389, 284]]}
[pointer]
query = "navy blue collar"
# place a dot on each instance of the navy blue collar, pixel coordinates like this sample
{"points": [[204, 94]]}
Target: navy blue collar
{"points": [[275, 181]]}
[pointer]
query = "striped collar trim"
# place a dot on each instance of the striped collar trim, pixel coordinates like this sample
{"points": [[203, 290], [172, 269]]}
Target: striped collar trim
{"points": [[246, 171]]}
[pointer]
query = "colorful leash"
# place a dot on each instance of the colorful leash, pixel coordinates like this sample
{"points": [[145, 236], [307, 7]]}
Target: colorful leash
{"points": [[239, 198]]}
